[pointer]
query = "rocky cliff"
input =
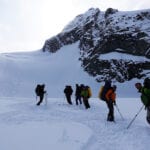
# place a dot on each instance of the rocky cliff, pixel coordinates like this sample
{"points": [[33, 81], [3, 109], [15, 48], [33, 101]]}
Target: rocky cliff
{"points": [[109, 32]]}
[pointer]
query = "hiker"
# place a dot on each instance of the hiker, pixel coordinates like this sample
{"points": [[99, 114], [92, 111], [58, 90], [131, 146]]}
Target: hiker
{"points": [[111, 101], [78, 94], [145, 96], [68, 92], [40, 92], [86, 94]]}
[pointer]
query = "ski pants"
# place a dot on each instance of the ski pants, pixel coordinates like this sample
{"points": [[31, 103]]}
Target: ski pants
{"points": [[110, 116], [86, 102], [41, 99], [78, 98], [148, 114], [68, 97]]}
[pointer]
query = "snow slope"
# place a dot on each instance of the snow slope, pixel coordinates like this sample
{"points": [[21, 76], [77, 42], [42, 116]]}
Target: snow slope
{"points": [[20, 72], [57, 125]]}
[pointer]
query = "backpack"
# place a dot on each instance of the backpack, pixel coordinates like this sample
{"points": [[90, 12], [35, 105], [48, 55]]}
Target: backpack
{"points": [[100, 92], [104, 89], [89, 92], [147, 83], [37, 90]]}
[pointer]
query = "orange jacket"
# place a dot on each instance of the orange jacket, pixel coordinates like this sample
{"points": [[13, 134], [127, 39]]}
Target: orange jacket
{"points": [[111, 95]]}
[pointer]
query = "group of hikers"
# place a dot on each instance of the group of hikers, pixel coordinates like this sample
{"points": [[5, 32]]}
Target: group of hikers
{"points": [[107, 93], [82, 94]]}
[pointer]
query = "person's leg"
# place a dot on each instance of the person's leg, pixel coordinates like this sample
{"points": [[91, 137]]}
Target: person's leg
{"points": [[85, 102], [88, 105], [69, 99], [148, 114], [80, 100], [41, 99], [111, 112], [76, 100], [110, 116]]}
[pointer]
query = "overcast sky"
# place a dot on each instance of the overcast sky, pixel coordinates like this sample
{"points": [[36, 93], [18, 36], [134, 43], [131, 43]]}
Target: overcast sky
{"points": [[26, 24]]}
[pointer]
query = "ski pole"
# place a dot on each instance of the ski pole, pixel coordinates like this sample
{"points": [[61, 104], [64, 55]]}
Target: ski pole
{"points": [[46, 98], [135, 117], [119, 112]]}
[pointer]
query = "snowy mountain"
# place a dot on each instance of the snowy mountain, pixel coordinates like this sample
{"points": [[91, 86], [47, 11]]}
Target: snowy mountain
{"points": [[114, 32], [69, 55]]}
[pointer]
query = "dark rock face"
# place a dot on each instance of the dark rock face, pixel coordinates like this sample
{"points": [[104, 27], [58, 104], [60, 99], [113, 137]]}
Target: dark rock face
{"points": [[107, 32]]}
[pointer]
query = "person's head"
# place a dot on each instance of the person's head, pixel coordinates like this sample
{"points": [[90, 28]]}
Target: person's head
{"points": [[138, 85], [43, 86], [114, 87], [86, 87], [108, 83]]}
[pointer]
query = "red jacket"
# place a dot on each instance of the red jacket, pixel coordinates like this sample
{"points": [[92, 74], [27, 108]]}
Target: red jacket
{"points": [[111, 95]]}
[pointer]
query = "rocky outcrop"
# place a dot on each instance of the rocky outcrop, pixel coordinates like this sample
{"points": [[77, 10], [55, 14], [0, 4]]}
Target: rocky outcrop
{"points": [[101, 33]]}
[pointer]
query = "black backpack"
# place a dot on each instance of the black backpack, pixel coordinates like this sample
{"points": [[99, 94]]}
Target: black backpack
{"points": [[147, 83], [104, 89], [37, 90]]}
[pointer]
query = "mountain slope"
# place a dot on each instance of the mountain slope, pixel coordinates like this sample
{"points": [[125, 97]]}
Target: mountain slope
{"points": [[105, 32], [20, 72]]}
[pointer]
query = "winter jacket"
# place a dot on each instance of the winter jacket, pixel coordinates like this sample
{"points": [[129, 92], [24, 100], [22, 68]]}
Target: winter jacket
{"points": [[111, 95], [78, 91], [68, 90], [84, 93], [145, 96]]}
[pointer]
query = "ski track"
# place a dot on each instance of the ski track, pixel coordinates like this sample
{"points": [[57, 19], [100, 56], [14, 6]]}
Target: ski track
{"points": [[106, 135]]}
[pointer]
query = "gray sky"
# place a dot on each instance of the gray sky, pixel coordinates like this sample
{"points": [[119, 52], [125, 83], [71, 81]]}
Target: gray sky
{"points": [[26, 24]]}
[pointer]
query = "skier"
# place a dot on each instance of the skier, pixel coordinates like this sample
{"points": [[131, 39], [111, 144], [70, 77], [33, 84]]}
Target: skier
{"points": [[86, 94], [145, 96], [40, 92], [111, 100], [78, 94], [68, 92]]}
